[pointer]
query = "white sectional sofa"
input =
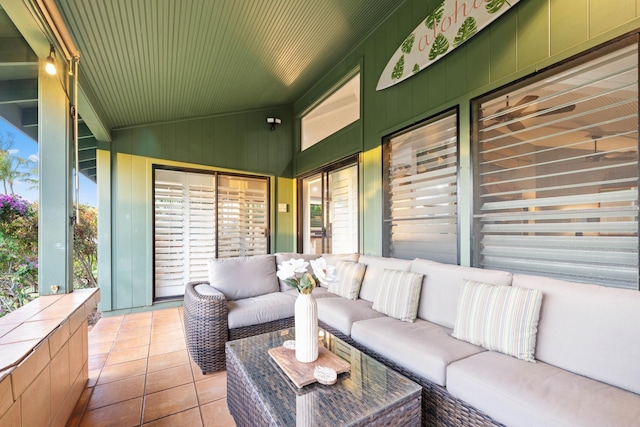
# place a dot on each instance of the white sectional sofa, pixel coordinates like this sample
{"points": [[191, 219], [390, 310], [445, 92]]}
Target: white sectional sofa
{"points": [[587, 347]]}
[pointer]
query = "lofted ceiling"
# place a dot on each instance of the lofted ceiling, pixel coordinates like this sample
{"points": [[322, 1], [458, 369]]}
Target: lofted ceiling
{"points": [[149, 61]]}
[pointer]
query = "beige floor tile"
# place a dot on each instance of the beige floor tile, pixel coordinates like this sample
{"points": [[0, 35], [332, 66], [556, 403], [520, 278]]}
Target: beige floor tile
{"points": [[122, 414], [169, 402], [133, 333], [96, 337], [122, 343], [127, 355], [97, 361], [167, 336], [101, 347], [129, 323], [122, 371], [164, 361], [168, 378], [212, 388], [162, 347], [216, 414], [117, 391], [166, 328], [190, 418]]}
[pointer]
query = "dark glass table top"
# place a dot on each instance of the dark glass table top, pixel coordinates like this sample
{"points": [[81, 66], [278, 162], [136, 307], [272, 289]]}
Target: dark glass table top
{"points": [[369, 388]]}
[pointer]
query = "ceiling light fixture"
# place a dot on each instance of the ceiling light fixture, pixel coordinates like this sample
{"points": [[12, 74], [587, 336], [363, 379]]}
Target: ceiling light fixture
{"points": [[273, 121], [50, 68]]}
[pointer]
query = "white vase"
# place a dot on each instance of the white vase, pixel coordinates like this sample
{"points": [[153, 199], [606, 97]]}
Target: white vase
{"points": [[306, 326]]}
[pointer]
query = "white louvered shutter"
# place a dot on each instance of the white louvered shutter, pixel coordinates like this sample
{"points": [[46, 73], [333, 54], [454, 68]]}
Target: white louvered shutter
{"points": [[557, 174], [421, 201]]}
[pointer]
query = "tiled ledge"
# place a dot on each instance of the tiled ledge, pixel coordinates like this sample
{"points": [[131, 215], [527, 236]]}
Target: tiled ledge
{"points": [[43, 358]]}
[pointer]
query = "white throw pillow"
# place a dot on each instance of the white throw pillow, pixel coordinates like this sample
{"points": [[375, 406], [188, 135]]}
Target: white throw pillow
{"points": [[499, 318], [399, 294], [350, 275]]}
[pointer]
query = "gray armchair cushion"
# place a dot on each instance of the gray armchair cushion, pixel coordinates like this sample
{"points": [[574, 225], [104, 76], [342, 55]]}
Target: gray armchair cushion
{"points": [[260, 309], [244, 277]]}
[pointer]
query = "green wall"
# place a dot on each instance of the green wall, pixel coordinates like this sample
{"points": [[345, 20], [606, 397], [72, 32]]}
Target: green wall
{"points": [[533, 35], [241, 142]]}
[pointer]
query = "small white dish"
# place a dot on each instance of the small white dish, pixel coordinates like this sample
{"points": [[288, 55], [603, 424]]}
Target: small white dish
{"points": [[324, 375], [289, 344]]}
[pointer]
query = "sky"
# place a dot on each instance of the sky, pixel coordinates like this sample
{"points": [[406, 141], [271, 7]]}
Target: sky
{"points": [[27, 148]]}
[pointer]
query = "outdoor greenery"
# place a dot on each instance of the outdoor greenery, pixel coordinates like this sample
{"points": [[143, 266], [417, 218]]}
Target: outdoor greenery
{"points": [[19, 236]]}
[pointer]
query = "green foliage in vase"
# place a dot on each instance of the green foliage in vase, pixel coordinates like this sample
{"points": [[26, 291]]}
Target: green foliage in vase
{"points": [[466, 30], [439, 47], [398, 69], [416, 68], [407, 45], [495, 5], [435, 17]]}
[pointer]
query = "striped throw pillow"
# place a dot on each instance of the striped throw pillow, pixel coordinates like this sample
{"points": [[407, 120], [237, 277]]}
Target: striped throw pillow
{"points": [[399, 294], [499, 318], [350, 275]]}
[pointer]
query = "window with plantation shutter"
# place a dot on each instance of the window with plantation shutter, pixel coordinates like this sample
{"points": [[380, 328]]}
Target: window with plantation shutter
{"points": [[199, 216], [243, 216], [421, 209], [556, 172]]}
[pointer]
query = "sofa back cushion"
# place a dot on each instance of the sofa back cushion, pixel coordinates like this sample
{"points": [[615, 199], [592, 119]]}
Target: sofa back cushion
{"points": [[286, 256], [442, 286], [588, 329], [375, 271], [244, 277]]}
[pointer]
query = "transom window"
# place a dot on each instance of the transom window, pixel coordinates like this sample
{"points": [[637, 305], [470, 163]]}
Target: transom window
{"points": [[556, 172], [337, 111]]}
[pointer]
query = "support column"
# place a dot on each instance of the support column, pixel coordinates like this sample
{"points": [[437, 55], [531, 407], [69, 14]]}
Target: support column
{"points": [[55, 232]]}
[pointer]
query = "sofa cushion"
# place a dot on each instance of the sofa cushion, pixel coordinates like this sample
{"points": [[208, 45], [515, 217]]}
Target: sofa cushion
{"points": [[399, 295], [375, 270], [260, 309], [514, 392], [423, 348], [244, 277], [350, 276], [442, 285], [286, 256], [588, 329], [500, 318], [334, 259], [340, 313]]}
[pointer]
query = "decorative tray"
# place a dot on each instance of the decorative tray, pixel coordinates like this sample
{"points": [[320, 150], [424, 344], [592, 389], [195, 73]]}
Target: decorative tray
{"points": [[302, 374]]}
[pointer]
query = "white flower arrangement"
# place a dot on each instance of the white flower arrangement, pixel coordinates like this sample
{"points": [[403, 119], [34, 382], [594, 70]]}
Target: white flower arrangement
{"points": [[294, 273]]}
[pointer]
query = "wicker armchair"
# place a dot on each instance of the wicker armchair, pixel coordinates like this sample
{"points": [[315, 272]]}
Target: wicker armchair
{"points": [[207, 326], [205, 323]]}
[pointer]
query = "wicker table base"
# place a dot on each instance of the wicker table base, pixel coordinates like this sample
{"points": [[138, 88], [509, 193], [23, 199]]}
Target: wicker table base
{"points": [[260, 394]]}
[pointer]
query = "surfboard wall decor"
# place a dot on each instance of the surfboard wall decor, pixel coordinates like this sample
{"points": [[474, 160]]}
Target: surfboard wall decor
{"points": [[452, 23]]}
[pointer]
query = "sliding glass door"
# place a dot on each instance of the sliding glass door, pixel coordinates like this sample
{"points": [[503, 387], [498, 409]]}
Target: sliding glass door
{"points": [[203, 215], [328, 219]]}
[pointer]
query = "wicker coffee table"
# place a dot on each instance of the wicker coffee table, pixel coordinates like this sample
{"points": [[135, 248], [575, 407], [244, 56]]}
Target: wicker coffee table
{"points": [[260, 394]]}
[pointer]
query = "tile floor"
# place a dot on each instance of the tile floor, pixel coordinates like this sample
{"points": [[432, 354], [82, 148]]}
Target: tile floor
{"points": [[140, 373]]}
